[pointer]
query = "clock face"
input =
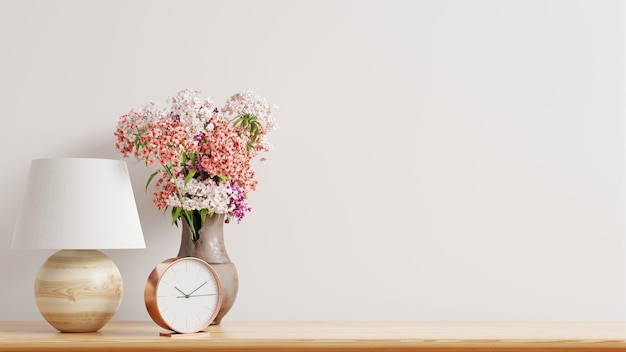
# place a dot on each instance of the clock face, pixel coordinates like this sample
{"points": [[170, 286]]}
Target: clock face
{"points": [[188, 295]]}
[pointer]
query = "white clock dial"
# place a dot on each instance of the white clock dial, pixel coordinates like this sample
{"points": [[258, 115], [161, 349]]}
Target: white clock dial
{"points": [[187, 295]]}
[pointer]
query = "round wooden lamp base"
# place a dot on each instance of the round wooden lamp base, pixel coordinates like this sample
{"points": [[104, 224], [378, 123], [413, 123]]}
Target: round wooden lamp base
{"points": [[78, 290]]}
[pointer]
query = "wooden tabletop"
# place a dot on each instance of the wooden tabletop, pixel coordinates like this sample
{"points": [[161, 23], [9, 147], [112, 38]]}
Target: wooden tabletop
{"points": [[325, 336]]}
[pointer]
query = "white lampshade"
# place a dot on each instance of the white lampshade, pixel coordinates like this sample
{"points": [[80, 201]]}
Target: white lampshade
{"points": [[78, 203], [78, 206]]}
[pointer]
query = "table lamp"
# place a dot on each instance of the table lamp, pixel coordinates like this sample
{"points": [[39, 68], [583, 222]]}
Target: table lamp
{"points": [[78, 205]]}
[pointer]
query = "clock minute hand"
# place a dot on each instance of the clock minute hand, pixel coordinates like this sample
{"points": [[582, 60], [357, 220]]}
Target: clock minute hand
{"points": [[197, 288]]}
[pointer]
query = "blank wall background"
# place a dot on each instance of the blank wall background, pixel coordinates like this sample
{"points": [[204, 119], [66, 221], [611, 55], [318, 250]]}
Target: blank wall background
{"points": [[448, 160]]}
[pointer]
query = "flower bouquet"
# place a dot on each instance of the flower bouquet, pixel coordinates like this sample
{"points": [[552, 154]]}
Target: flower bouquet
{"points": [[205, 154]]}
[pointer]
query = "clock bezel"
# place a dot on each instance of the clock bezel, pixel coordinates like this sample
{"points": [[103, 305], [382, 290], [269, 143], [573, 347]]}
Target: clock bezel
{"points": [[152, 284]]}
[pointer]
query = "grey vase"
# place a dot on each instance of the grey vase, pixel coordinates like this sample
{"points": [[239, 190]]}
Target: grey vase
{"points": [[210, 248]]}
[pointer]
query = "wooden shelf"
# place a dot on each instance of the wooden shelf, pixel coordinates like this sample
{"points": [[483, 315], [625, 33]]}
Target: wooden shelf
{"points": [[325, 336]]}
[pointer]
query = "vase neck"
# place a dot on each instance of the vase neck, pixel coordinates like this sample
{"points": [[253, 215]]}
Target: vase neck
{"points": [[210, 244]]}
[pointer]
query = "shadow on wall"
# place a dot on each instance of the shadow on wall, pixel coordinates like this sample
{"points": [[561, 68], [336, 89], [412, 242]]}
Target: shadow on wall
{"points": [[101, 148]]}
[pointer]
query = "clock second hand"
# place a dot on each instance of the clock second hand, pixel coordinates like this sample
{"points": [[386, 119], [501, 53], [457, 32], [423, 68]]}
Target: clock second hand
{"points": [[206, 294]]}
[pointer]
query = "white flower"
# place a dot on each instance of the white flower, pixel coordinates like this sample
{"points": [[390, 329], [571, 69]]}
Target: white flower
{"points": [[151, 113], [192, 112], [207, 194], [249, 102]]}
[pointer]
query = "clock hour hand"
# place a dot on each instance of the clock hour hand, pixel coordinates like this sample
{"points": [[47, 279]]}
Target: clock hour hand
{"points": [[184, 294]]}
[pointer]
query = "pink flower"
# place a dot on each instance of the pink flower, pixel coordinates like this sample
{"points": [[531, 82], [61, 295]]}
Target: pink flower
{"points": [[205, 154]]}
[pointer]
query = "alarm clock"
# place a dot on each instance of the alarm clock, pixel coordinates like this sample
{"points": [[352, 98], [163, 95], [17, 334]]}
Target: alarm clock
{"points": [[183, 295]]}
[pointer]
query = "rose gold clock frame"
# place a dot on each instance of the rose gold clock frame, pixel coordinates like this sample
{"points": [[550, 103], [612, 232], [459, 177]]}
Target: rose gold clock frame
{"points": [[152, 284]]}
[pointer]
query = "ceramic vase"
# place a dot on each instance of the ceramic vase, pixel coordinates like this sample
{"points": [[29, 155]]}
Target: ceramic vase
{"points": [[210, 248]]}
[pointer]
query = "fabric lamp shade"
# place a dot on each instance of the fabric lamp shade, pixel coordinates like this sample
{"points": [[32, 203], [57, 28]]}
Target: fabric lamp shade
{"points": [[78, 206], [78, 203]]}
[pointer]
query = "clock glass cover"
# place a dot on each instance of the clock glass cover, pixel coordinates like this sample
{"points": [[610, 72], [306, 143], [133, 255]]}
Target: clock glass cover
{"points": [[188, 295]]}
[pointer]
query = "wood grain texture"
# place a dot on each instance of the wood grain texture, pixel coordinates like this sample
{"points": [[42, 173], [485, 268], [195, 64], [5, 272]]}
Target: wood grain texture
{"points": [[78, 290], [326, 336]]}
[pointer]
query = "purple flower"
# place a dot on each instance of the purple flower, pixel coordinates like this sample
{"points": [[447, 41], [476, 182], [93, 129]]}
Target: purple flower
{"points": [[238, 200], [199, 137]]}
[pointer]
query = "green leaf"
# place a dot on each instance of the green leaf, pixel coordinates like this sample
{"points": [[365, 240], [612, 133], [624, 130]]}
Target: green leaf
{"points": [[150, 180], [176, 214], [169, 171], [192, 224], [203, 214], [189, 176], [255, 133]]}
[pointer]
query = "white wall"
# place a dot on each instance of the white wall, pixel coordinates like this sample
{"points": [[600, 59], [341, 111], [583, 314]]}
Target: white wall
{"points": [[434, 159]]}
